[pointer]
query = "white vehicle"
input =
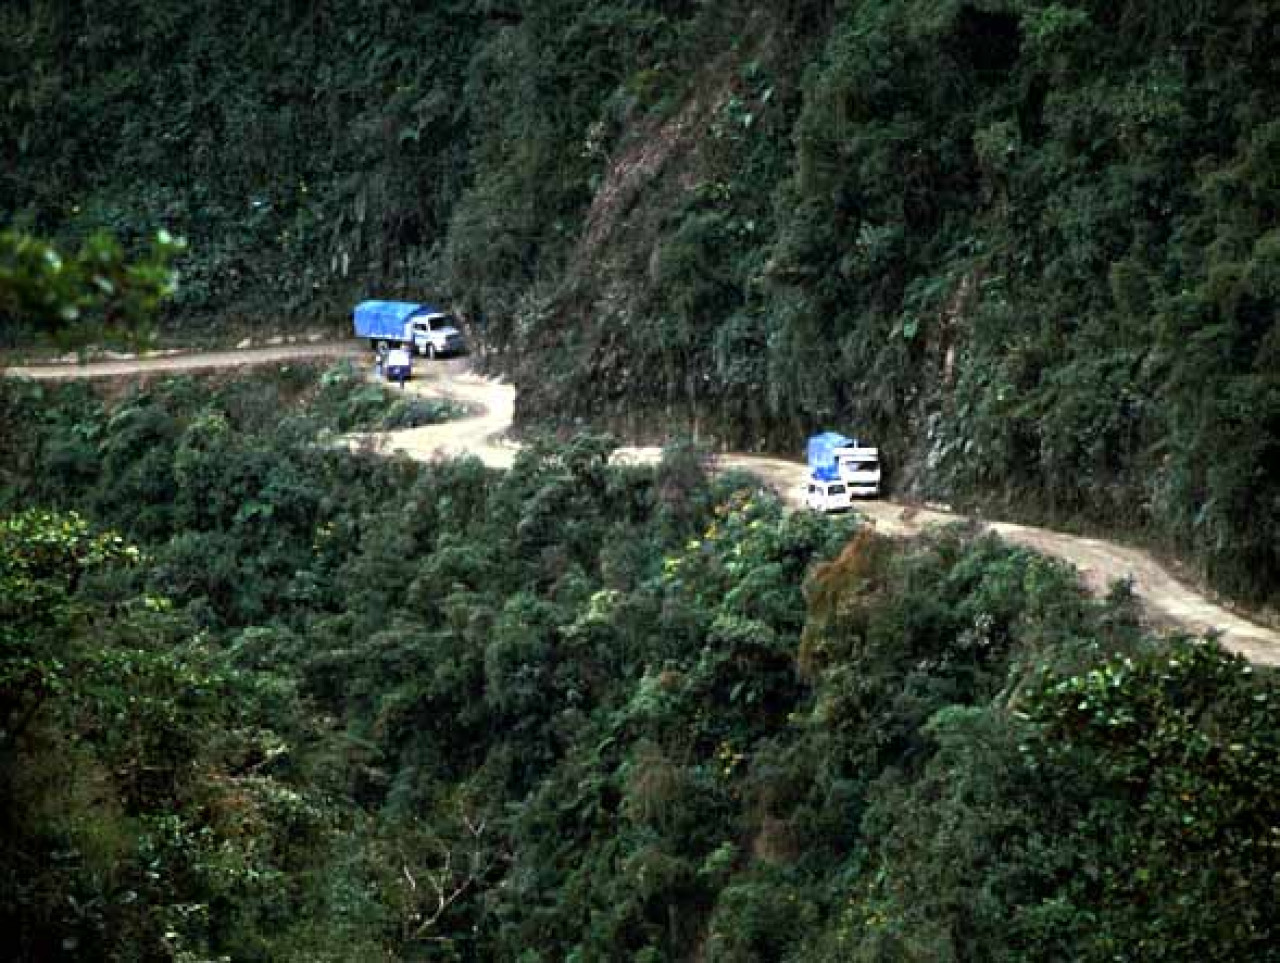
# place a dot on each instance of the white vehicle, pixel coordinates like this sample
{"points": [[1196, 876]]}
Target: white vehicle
{"points": [[828, 495], [435, 335], [859, 468]]}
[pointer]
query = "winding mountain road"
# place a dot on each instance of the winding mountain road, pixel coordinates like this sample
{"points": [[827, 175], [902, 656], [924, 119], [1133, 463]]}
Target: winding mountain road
{"points": [[1169, 602]]}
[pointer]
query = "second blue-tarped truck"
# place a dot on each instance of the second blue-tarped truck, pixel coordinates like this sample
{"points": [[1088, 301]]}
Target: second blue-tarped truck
{"points": [[418, 328], [821, 451], [839, 468]]}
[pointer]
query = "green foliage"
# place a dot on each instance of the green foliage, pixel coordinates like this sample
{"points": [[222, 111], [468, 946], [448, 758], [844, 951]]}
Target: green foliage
{"points": [[298, 149], [43, 558], [93, 294], [1106, 814], [343, 707], [1182, 740], [347, 401], [106, 709]]}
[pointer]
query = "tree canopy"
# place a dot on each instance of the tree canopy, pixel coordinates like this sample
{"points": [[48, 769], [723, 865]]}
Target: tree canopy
{"points": [[282, 701]]}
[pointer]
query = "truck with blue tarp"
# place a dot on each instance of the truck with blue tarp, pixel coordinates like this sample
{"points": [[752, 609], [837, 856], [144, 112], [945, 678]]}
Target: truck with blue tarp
{"points": [[417, 328], [839, 468], [821, 451]]}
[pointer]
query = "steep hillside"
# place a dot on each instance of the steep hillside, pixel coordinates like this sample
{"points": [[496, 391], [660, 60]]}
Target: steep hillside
{"points": [[1027, 245], [306, 150], [264, 699]]}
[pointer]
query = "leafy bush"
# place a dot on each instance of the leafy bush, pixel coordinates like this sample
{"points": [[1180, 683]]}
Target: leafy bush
{"points": [[347, 401]]}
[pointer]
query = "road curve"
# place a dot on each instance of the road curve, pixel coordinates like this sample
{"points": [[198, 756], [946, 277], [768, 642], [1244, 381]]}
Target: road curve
{"points": [[483, 434], [1169, 603]]}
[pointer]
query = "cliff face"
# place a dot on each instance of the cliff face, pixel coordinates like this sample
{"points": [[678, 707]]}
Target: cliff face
{"points": [[611, 351], [657, 321]]}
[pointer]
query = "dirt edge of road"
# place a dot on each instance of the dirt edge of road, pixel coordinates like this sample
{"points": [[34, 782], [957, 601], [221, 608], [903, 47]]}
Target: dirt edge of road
{"points": [[171, 363]]}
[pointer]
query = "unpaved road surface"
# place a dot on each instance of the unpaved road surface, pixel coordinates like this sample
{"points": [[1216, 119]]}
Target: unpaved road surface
{"points": [[1169, 602], [483, 433], [177, 363]]}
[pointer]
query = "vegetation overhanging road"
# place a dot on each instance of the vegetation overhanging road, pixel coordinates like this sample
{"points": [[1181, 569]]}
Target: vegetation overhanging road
{"points": [[1169, 603]]}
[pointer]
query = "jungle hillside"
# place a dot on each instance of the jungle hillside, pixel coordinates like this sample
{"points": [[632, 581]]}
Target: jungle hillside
{"points": [[1026, 245], [268, 696]]}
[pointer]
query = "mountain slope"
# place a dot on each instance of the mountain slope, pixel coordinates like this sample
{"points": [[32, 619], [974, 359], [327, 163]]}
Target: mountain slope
{"points": [[1029, 246]]}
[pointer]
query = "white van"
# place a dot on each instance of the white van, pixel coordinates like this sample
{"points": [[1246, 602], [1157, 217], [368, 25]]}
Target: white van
{"points": [[828, 495]]}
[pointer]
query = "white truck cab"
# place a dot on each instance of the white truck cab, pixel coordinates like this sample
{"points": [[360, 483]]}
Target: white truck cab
{"points": [[435, 335], [859, 468], [827, 495]]}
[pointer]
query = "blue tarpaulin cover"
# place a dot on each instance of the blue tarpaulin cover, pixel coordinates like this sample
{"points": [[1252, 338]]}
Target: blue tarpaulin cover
{"points": [[821, 454], [386, 319]]}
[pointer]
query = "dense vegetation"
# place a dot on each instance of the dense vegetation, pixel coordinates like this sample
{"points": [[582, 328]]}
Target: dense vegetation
{"points": [[265, 698], [261, 699], [1026, 243]]}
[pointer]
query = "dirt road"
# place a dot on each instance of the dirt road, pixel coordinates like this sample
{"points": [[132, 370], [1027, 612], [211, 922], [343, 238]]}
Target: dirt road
{"points": [[483, 434], [173, 363], [1169, 602]]}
